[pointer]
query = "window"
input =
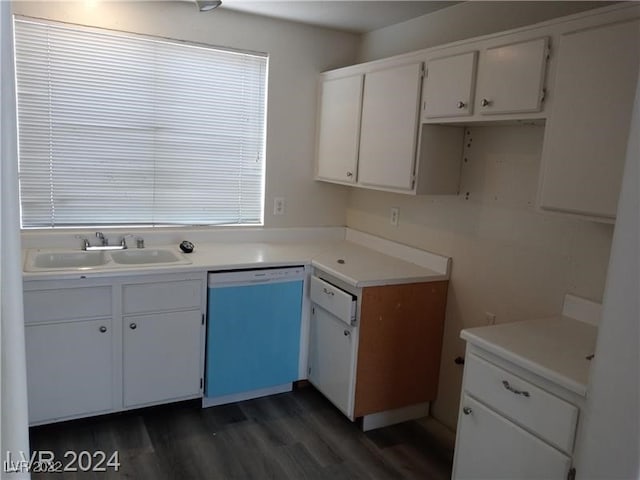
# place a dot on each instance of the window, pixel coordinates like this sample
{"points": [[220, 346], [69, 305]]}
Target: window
{"points": [[119, 129]]}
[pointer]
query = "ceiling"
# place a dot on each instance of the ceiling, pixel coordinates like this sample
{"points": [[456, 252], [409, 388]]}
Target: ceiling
{"points": [[351, 16]]}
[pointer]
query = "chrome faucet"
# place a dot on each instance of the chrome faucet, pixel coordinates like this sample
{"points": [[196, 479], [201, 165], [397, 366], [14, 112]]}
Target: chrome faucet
{"points": [[105, 244], [104, 241]]}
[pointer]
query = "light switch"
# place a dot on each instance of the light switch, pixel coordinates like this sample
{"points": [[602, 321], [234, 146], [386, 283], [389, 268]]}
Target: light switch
{"points": [[278, 206], [394, 216]]}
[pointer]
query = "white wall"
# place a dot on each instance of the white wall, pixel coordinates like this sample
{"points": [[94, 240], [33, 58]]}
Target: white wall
{"points": [[508, 259], [297, 53], [460, 21]]}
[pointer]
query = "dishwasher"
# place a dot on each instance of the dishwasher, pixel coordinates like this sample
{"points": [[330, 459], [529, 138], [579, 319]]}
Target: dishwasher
{"points": [[253, 333], [333, 343]]}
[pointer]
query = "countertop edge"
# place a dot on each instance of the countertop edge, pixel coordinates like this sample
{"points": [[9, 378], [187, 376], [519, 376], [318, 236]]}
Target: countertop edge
{"points": [[377, 282], [159, 270], [521, 361]]}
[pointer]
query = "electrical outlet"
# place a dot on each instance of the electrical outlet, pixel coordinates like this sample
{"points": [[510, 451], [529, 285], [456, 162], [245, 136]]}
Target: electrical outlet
{"points": [[394, 216], [490, 318], [278, 206]]}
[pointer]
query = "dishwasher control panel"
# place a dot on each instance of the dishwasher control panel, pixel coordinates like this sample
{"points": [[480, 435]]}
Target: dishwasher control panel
{"points": [[283, 274]]}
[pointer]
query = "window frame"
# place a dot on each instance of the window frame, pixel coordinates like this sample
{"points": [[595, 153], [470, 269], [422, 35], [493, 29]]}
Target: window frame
{"points": [[179, 42]]}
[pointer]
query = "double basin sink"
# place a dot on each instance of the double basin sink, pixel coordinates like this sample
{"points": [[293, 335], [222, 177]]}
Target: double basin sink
{"points": [[52, 260]]}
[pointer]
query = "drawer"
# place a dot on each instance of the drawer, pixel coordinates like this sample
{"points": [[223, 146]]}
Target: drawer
{"points": [[538, 411], [333, 299], [66, 304], [160, 296]]}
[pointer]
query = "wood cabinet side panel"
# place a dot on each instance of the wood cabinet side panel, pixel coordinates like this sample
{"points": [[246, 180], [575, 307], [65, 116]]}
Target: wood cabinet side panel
{"points": [[401, 328]]}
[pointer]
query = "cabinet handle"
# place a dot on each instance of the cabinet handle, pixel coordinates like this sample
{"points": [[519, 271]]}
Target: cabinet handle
{"points": [[467, 410], [133, 326], [461, 104], [517, 392], [328, 292], [485, 103], [347, 333], [349, 174], [103, 329]]}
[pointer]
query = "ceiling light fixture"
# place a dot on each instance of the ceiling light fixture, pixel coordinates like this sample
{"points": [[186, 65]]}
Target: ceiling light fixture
{"points": [[207, 5]]}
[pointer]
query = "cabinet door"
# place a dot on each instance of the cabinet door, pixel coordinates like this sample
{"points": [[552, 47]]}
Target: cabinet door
{"points": [[332, 358], [511, 78], [339, 130], [586, 134], [69, 369], [448, 86], [389, 130], [162, 356], [488, 446]]}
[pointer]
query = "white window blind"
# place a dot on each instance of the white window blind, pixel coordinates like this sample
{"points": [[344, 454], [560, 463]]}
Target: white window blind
{"points": [[119, 129]]}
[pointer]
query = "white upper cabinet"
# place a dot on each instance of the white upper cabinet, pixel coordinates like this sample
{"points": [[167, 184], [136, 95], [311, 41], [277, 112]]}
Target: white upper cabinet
{"points": [[382, 124], [587, 131], [339, 129], [511, 78], [389, 129], [369, 133], [505, 80], [449, 86]]}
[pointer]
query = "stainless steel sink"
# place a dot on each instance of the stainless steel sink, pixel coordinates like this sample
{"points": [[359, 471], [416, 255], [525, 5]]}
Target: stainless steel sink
{"points": [[147, 256], [48, 260]]}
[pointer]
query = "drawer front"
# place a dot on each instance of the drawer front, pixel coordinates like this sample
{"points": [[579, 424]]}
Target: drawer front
{"points": [[538, 411], [154, 297], [332, 299], [66, 304]]}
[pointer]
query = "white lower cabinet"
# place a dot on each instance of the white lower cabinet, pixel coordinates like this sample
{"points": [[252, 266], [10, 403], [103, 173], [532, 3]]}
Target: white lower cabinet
{"points": [[108, 344], [510, 426], [362, 339], [161, 357], [70, 368], [491, 447], [332, 356]]}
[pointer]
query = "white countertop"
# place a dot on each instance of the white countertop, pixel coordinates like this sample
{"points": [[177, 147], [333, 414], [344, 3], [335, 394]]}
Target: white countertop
{"points": [[554, 348], [363, 265]]}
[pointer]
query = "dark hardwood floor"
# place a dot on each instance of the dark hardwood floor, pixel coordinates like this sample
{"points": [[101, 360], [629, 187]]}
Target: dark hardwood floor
{"points": [[294, 435]]}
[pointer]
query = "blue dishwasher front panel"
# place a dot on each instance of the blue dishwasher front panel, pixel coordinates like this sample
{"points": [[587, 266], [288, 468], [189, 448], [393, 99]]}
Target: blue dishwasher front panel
{"points": [[253, 337]]}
